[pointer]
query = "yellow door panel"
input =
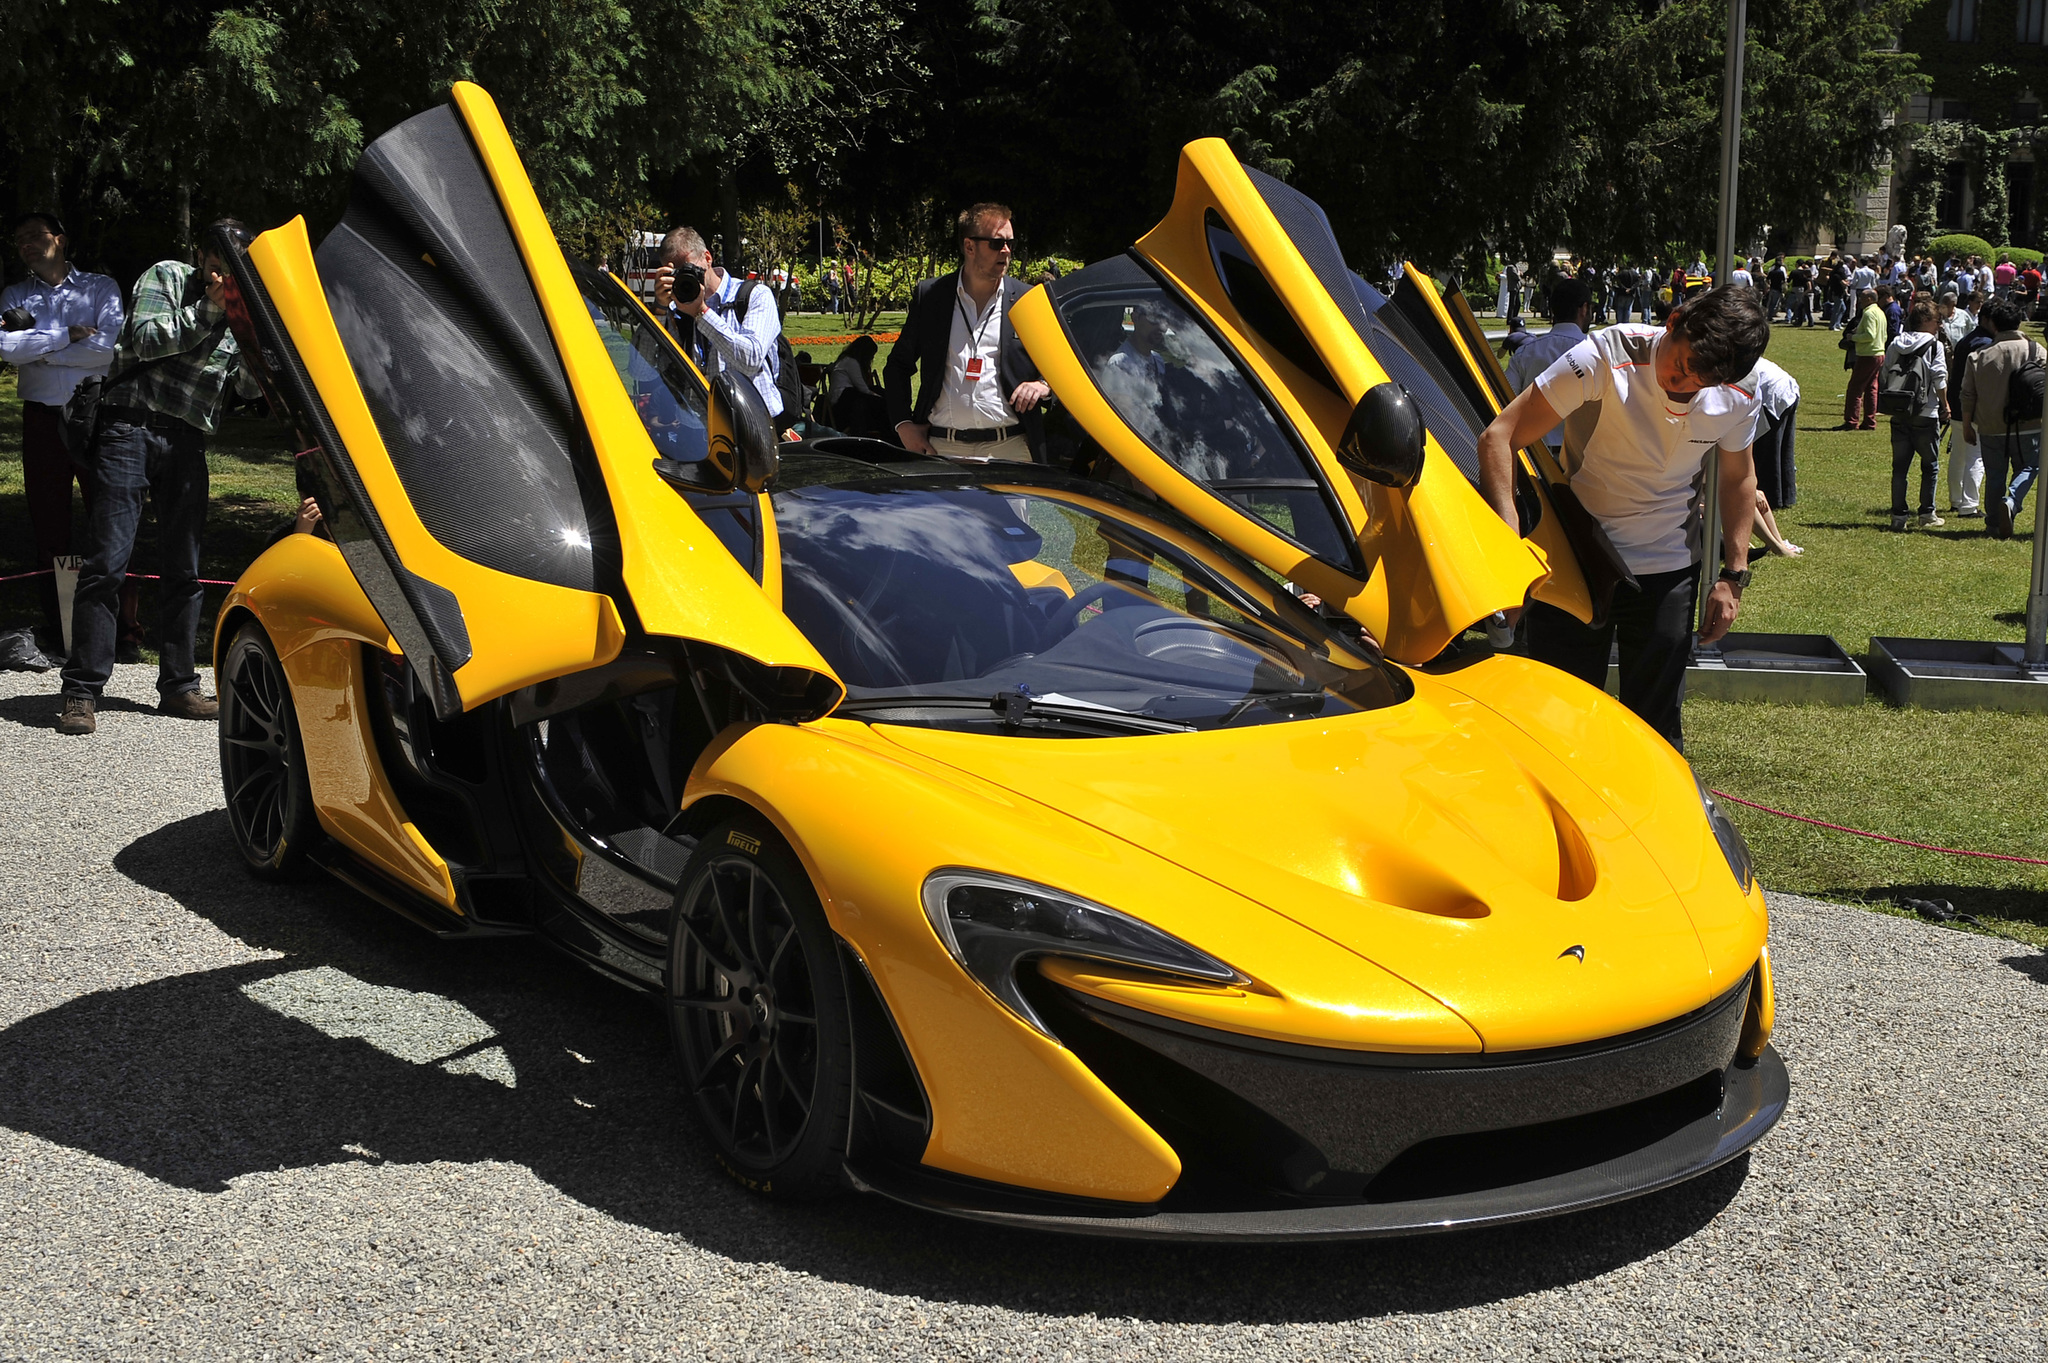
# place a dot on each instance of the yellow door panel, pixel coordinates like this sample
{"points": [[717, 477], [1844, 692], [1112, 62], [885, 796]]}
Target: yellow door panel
{"points": [[1230, 398], [351, 794], [472, 631], [681, 580], [1447, 321]]}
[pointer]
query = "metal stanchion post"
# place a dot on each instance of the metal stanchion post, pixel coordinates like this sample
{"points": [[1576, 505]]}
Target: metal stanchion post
{"points": [[2037, 592], [1724, 272]]}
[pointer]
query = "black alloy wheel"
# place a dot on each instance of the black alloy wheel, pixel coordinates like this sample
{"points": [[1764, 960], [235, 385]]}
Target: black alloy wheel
{"points": [[262, 761], [757, 1007]]}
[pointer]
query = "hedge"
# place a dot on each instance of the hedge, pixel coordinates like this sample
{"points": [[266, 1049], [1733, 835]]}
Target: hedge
{"points": [[1960, 244], [2020, 255]]}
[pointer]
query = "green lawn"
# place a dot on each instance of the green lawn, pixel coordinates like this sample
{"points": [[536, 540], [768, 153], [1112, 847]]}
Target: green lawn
{"points": [[1957, 780], [1960, 780], [802, 326]]}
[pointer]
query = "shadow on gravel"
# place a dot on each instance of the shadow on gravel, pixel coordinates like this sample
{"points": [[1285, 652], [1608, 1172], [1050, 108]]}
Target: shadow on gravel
{"points": [[40, 711], [194, 1082], [2034, 967]]}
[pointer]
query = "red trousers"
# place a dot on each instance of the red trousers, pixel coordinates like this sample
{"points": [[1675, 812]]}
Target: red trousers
{"points": [[46, 473], [1861, 409]]}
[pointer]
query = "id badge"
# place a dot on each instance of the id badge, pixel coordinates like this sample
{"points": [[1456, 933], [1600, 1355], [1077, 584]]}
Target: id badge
{"points": [[974, 368]]}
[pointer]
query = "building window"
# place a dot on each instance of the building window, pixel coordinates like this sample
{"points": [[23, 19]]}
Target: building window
{"points": [[1962, 21], [2026, 112], [2019, 190], [1955, 111], [2027, 20], [1948, 206]]}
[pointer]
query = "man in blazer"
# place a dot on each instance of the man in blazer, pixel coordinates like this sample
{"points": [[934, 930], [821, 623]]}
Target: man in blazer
{"points": [[978, 393]]}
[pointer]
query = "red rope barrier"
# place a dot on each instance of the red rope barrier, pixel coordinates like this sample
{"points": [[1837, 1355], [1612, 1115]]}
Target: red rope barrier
{"points": [[1880, 837], [146, 577]]}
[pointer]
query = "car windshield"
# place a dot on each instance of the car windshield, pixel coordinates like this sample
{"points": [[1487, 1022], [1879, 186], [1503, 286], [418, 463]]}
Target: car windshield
{"points": [[933, 599], [669, 399]]}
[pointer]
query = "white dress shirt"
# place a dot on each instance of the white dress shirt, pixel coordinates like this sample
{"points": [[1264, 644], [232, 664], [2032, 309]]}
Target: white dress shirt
{"points": [[52, 365], [973, 404]]}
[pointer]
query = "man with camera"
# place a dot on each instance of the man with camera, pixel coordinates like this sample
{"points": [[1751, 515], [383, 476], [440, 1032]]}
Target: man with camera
{"points": [[60, 327], [175, 359], [978, 392], [721, 321]]}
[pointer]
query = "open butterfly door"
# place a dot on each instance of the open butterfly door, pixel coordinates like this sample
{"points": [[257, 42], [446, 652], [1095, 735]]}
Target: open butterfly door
{"points": [[479, 464], [1226, 363], [1445, 323]]}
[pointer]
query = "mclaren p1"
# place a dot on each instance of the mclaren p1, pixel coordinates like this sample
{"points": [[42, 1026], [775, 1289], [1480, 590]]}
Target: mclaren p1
{"points": [[1011, 840]]}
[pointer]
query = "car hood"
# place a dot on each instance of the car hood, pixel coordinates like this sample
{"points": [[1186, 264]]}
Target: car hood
{"points": [[1433, 838]]}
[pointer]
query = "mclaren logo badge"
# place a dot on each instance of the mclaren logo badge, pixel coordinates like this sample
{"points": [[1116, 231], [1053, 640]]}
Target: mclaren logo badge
{"points": [[1577, 952]]}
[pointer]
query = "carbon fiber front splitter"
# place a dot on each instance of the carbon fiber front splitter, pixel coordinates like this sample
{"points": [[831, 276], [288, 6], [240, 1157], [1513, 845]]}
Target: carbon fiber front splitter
{"points": [[1753, 1098]]}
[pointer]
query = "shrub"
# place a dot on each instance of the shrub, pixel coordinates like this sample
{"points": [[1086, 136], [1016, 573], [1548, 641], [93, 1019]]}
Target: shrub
{"points": [[1960, 245], [2021, 256]]}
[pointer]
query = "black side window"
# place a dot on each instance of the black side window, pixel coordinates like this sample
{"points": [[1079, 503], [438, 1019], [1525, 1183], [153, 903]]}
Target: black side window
{"points": [[1176, 386]]}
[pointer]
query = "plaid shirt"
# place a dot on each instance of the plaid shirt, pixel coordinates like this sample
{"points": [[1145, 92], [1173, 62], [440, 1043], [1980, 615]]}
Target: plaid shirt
{"points": [[188, 386]]}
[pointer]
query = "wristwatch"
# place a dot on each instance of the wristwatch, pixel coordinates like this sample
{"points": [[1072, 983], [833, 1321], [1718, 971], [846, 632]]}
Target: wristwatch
{"points": [[1739, 576]]}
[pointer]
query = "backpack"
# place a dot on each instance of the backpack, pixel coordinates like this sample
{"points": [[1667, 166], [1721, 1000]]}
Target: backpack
{"points": [[1898, 391], [2023, 391], [795, 397]]}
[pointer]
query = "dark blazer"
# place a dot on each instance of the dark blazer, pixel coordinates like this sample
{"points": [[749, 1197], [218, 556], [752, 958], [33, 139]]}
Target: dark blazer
{"points": [[922, 346]]}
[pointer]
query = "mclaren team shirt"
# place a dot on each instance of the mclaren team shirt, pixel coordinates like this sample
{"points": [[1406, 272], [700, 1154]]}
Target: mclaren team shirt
{"points": [[1634, 455]]}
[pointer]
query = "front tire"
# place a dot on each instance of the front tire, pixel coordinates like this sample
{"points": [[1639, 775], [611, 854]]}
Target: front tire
{"points": [[263, 760], [758, 1010]]}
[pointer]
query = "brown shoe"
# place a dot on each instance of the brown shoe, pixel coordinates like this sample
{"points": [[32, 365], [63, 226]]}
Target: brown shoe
{"points": [[189, 705], [77, 717]]}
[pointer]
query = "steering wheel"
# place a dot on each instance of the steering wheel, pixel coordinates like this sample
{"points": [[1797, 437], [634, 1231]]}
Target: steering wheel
{"points": [[1076, 608]]}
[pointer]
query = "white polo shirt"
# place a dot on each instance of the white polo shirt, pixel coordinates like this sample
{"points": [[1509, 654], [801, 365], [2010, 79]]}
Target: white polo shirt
{"points": [[1634, 454]]}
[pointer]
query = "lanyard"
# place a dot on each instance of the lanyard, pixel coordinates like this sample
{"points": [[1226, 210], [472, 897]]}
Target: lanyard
{"points": [[995, 310]]}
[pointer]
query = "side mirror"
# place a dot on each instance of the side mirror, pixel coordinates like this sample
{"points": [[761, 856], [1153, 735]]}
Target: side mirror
{"points": [[748, 460], [1383, 439]]}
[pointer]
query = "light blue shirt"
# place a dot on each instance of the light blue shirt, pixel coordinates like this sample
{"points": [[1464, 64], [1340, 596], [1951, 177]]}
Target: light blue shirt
{"points": [[52, 365], [1535, 357], [745, 345]]}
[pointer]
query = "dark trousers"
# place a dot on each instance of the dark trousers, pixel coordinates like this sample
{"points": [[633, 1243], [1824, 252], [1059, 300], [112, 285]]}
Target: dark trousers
{"points": [[1653, 625], [1860, 410], [1777, 474], [2011, 463], [1911, 436], [46, 474], [167, 465]]}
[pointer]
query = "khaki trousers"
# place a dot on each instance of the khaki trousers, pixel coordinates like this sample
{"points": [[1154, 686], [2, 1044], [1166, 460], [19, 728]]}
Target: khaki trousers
{"points": [[1016, 447]]}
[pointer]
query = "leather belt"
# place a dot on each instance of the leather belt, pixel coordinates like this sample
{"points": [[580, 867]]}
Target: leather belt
{"points": [[142, 416], [982, 435]]}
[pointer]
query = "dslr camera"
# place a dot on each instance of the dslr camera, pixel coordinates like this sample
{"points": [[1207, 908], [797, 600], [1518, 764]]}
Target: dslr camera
{"points": [[17, 319], [688, 282]]}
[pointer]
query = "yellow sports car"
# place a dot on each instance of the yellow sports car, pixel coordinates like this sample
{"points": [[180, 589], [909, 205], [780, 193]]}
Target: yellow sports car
{"points": [[1011, 840]]}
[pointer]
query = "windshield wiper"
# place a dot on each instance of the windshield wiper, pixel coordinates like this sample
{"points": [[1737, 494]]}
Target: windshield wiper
{"points": [[1020, 709], [1275, 700]]}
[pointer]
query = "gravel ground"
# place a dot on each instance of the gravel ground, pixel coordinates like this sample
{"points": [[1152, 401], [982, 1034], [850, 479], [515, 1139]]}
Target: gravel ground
{"points": [[243, 1122]]}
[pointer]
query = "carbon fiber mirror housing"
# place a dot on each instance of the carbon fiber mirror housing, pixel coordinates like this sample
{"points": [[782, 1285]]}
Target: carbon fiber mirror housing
{"points": [[747, 462], [1383, 439]]}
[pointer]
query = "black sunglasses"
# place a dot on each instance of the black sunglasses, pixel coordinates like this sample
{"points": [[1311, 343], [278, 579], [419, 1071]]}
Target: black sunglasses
{"points": [[1010, 244]]}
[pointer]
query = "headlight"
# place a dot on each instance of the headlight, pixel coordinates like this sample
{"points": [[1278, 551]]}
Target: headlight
{"points": [[992, 924], [1729, 836]]}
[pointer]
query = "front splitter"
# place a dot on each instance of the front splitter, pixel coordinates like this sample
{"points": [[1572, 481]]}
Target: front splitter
{"points": [[1753, 1099]]}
